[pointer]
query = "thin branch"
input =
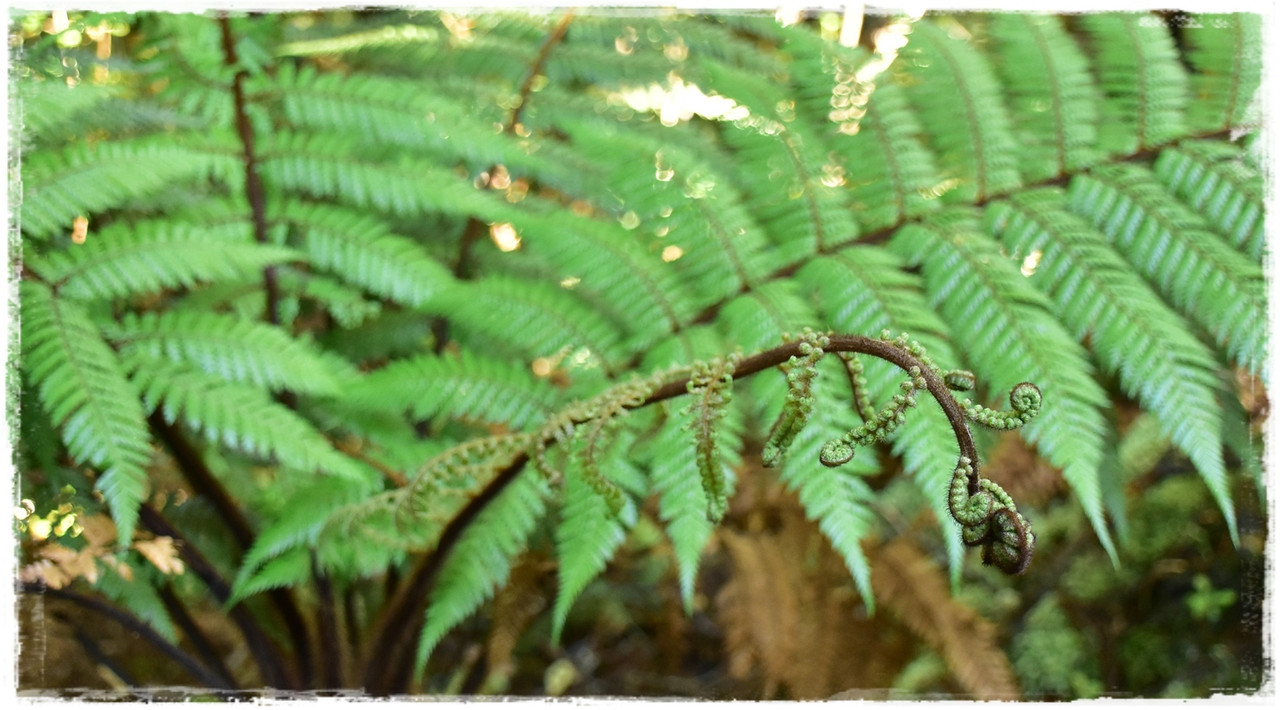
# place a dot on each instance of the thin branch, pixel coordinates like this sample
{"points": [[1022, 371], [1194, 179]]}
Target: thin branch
{"points": [[263, 650], [252, 180], [195, 634], [135, 625]]}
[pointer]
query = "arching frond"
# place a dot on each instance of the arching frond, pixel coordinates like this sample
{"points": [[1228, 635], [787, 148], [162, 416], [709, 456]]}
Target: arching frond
{"points": [[1129, 328], [1170, 245], [83, 388], [147, 257], [1226, 51], [1217, 183]]}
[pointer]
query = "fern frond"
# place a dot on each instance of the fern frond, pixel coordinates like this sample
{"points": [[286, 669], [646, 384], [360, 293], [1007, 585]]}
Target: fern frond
{"points": [[1217, 287], [914, 590], [836, 498], [1129, 327], [760, 317], [1217, 183], [957, 99], [981, 294], [1052, 97], [235, 349], [481, 560], [1226, 51], [147, 257], [782, 168], [333, 166], [240, 417], [635, 287], [83, 388], [85, 179], [682, 502], [361, 250], [587, 535], [469, 387], [138, 594], [891, 174], [48, 106], [1145, 85], [534, 319]]}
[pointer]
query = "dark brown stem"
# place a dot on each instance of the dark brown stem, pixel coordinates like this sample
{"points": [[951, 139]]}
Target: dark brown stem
{"points": [[327, 632], [252, 180], [135, 625], [178, 612], [197, 473], [260, 646], [402, 617]]}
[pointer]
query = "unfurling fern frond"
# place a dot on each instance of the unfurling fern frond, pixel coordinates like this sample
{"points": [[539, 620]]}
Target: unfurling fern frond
{"points": [[981, 293], [83, 388]]}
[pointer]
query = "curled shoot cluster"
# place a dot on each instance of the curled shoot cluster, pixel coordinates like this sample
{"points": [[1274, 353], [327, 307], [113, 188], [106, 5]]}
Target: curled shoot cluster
{"points": [[986, 514], [711, 387]]}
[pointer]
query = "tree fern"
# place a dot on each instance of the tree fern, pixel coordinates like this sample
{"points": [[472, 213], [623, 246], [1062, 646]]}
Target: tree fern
{"points": [[395, 296]]}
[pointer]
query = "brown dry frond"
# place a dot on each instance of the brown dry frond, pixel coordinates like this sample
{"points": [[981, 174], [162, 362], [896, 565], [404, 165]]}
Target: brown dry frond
{"points": [[915, 590]]}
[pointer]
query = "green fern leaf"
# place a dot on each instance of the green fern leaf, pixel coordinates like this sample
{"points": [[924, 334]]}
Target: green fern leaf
{"points": [[1130, 329], [290, 568], [361, 250], [83, 180], [958, 102], [1226, 51], [1145, 85], [758, 319], [469, 386], [138, 595], [240, 417], [1215, 181], [147, 257], [481, 560], [534, 319], [837, 498], [1052, 97], [682, 502], [235, 349], [83, 388], [800, 212], [587, 536], [1217, 287], [981, 294], [891, 174]]}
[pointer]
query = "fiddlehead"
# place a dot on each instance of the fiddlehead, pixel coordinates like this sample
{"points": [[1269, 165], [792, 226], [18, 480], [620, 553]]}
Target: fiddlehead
{"points": [[801, 369], [711, 386]]}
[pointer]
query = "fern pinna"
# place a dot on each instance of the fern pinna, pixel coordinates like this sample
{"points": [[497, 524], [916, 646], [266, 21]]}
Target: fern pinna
{"points": [[400, 297]]}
